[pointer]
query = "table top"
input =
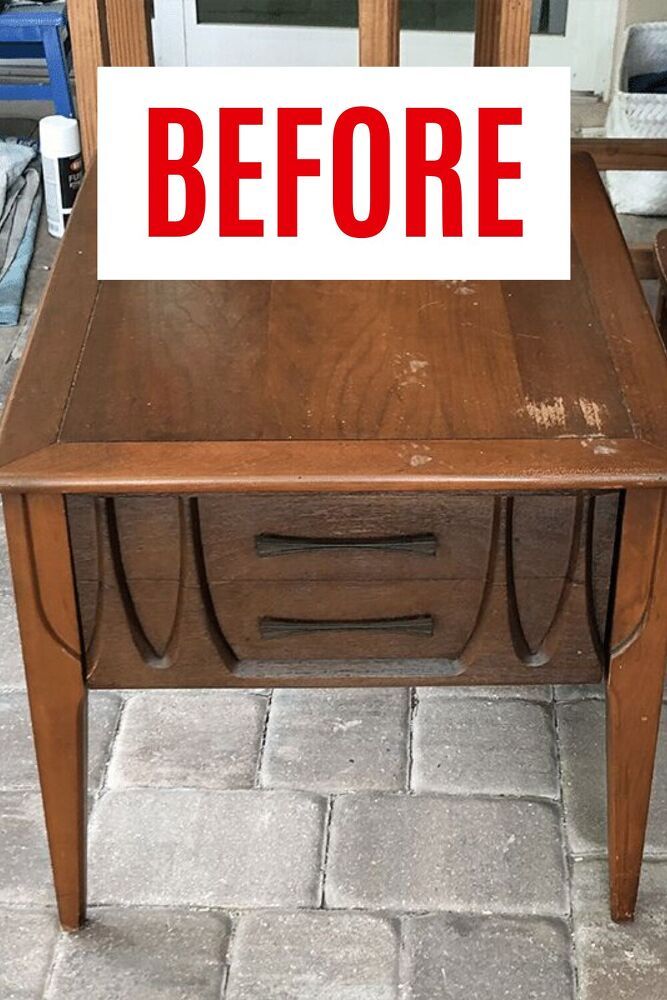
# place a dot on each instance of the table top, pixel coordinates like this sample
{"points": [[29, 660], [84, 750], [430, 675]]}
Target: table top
{"points": [[196, 386]]}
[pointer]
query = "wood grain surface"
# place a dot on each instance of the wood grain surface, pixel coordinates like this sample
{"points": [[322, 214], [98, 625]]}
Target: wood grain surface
{"points": [[173, 592], [379, 32], [624, 154], [90, 49], [370, 360], [502, 32], [201, 386], [48, 619], [129, 30], [635, 689]]}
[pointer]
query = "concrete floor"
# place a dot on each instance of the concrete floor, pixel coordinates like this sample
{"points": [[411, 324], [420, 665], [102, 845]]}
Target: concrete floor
{"points": [[314, 845]]}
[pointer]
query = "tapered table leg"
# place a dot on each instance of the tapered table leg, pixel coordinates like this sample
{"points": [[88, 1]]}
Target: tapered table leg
{"points": [[634, 689], [48, 622]]}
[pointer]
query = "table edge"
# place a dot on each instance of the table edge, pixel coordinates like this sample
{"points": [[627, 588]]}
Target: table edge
{"points": [[593, 463]]}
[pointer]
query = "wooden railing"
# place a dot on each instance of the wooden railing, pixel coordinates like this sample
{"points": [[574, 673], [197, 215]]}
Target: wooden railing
{"points": [[118, 33]]}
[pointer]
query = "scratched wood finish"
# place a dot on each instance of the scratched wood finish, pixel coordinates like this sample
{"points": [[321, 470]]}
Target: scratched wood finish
{"points": [[379, 32], [90, 49], [634, 690], [129, 29], [502, 32], [47, 611], [401, 386], [404, 361], [434, 377]]}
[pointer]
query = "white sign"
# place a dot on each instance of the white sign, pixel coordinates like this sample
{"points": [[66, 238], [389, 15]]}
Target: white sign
{"points": [[334, 173]]}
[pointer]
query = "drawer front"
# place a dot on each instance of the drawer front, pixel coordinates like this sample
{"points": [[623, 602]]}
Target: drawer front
{"points": [[298, 537], [328, 537], [396, 620], [348, 537], [189, 591], [270, 620]]}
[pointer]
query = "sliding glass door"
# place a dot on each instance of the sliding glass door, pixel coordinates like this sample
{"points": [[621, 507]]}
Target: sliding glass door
{"points": [[575, 33]]}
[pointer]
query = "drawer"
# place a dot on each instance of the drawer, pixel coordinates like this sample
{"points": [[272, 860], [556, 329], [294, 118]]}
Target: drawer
{"points": [[269, 620], [330, 629], [299, 578], [397, 619], [189, 585], [345, 537], [334, 537]]}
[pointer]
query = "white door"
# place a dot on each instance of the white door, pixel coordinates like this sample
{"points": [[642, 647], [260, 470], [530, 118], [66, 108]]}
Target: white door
{"points": [[575, 33]]}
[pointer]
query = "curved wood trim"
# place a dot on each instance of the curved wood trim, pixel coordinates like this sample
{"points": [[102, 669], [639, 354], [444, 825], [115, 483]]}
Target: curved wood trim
{"points": [[152, 657], [212, 622], [594, 614], [470, 648], [548, 645]]}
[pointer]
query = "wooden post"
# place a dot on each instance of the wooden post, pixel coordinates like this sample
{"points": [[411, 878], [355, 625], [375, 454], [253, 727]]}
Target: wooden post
{"points": [[129, 29], [379, 32], [87, 25], [502, 32]]}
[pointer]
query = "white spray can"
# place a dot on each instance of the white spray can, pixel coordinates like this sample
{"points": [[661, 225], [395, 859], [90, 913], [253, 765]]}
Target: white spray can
{"points": [[62, 168]]}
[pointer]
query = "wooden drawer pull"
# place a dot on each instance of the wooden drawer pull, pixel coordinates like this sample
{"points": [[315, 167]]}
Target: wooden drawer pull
{"points": [[284, 545], [275, 628]]}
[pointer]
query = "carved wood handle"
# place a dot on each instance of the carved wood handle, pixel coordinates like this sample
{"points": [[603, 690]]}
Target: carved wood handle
{"points": [[275, 628], [283, 545]]}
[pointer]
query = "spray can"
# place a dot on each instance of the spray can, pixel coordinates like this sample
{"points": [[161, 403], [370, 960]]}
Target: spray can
{"points": [[62, 168]]}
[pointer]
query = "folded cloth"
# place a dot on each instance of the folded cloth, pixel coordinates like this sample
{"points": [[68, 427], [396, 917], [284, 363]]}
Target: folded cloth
{"points": [[13, 283], [13, 226], [19, 194], [14, 158]]}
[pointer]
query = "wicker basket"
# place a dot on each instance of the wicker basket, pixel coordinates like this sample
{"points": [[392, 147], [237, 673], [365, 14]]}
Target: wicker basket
{"points": [[640, 116]]}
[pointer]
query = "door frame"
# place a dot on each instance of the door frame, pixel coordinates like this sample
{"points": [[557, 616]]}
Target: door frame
{"points": [[180, 40]]}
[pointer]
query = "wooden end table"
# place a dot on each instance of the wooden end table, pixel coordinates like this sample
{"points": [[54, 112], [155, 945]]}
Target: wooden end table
{"points": [[366, 483]]}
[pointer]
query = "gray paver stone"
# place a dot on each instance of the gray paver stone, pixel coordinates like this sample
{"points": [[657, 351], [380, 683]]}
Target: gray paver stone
{"points": [[314, 956], [459, 957], [620, 961], [142, 955], [477, 746], [337, 741], [170, 847], [426, 852], [208, 739]]}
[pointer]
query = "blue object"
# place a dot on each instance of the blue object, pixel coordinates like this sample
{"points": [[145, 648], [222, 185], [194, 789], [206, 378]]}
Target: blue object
{"points": [[38, 32]]}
